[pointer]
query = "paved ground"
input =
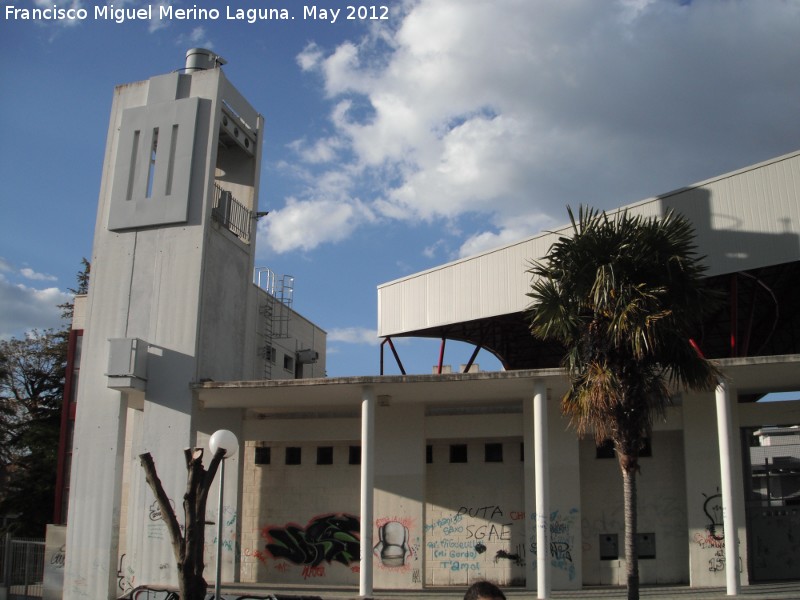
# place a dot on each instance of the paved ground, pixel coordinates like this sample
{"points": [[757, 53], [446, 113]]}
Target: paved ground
{"points": [[773, 591]]}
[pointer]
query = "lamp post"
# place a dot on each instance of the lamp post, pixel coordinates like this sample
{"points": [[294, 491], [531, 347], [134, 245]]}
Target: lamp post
{"points": [[227, 440]]}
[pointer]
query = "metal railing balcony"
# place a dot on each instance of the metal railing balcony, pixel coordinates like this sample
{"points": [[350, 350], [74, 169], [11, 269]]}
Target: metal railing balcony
{"points": [[232, 214]]}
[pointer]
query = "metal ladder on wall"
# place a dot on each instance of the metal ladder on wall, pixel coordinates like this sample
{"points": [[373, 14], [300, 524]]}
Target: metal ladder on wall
{"points": [[275, 312]]}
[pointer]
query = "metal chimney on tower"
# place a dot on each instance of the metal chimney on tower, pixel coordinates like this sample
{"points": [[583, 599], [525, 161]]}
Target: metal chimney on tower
{"points": [[200, 59]]}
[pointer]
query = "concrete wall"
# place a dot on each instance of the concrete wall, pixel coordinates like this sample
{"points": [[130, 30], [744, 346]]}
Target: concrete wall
{"points": [[706, 537], [475, 515], [450, 523], [172, 281], [436, 523], [299, 334], [300, 506], [661, 511]]}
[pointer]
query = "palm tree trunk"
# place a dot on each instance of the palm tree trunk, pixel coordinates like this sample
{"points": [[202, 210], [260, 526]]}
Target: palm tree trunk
{"points": [[631, 554]]}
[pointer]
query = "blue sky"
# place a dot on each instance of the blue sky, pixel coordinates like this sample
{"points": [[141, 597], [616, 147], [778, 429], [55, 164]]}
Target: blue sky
{"points": [[396, 145]]}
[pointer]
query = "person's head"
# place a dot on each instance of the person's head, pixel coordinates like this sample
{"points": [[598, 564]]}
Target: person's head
{"points": [[483, 590]]}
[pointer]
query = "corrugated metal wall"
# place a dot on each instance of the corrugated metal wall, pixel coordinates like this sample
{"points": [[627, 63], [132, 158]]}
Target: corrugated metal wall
{"points": [[745, 219]]}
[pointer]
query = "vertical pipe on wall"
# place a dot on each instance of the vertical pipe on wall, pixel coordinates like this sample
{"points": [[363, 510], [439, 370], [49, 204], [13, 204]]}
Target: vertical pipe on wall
{"points": [[542, 461], [734, 299], [725, 433], [367, 491]]}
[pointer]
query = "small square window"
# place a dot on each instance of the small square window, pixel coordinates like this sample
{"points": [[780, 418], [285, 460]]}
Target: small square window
{"points": [[263, 455], [355, 455], [325, 455], [458, 453], [493, 453], [288, 362], [293, 455], [429, 454]]}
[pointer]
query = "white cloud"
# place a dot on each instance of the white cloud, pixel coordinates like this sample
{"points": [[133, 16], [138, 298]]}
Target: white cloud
{"points": [[305, 224], [74, 5], [309, 58], [33, 275], [27, 308], [320, 151], [354, 335], [197, 37], [513, 109], [507, 232], [157, 23]]}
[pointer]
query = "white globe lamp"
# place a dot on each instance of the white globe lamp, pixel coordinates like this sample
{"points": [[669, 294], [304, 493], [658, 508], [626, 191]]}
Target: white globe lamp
{"points": [[224, 439]]}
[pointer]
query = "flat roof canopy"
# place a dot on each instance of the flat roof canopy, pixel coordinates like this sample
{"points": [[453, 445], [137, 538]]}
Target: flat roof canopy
{"points": [[751, 377]]}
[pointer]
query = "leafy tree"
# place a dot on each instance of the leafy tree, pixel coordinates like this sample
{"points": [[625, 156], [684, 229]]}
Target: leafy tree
{"points": [[32, 374], [68, 308], [623, 296], [31, 392]]}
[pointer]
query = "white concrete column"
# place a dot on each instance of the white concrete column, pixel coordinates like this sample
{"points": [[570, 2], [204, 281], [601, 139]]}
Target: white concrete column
{"points": [[367, 489], [725, 433], [542, 459]]}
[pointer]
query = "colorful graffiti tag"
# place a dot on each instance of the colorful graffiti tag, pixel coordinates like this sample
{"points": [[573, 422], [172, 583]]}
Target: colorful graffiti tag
{"points": [[330, 538], [562, 541], [148, 593]]}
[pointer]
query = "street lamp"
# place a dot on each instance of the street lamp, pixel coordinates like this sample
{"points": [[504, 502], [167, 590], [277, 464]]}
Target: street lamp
{"points": [[227, 440]]}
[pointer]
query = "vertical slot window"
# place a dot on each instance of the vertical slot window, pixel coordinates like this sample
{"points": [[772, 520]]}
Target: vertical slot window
{"points": [[151, 169], [173, 142], [132, 171]]}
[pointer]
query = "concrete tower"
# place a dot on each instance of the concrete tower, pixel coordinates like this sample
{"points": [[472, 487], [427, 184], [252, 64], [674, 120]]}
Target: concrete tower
{"points": [[170, 294]]}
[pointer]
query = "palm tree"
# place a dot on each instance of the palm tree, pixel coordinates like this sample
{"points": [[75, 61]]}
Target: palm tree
{"points": [[623, 296]]}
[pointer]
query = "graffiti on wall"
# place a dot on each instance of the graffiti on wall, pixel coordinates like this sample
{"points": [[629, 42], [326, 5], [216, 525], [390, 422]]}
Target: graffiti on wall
{"points": [[562, 541], [461, 541], [125, 575], [149, 593], [712, 507], [229, 535], [395, 549], [327, 538], [713, 538]]}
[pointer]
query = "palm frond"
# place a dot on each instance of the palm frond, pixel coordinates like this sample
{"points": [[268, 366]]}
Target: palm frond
{"points": [[622, 295]]}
